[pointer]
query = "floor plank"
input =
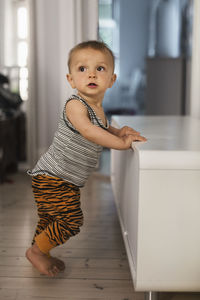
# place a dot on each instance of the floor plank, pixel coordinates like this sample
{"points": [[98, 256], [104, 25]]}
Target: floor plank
{"points": [[59, 287]]}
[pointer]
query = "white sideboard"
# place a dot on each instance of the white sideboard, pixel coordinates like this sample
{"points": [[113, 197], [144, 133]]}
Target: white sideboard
{"points": [[156, 186]]}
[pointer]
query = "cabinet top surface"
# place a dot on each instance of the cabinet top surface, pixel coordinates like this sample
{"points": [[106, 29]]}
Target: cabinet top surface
{"points": [[166, 135]]}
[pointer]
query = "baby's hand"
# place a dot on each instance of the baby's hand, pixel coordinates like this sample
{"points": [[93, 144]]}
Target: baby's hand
{"points": [[128, 139], [127, 131]]}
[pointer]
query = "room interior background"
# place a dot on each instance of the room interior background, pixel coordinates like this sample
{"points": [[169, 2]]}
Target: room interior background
{"points": [[129, 27]]}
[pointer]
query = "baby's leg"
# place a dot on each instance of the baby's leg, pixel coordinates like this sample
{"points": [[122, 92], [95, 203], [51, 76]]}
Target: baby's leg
{"points": [[43, 222], [62, 203], [42, 262], [67, 215], [40, 258]]}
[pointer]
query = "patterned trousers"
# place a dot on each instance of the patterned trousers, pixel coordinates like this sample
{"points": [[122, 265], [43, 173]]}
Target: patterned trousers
{"points": [[59, 211]]}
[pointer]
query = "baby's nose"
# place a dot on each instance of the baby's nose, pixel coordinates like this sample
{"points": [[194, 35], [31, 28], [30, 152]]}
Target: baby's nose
{"points": [[92, 75]]}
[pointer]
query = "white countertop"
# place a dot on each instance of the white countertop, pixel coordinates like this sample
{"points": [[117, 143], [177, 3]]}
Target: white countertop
{"points": [[173, 142]]}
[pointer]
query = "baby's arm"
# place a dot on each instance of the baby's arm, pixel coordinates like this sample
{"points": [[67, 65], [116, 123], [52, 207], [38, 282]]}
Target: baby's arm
{"points": [[78, 115]]}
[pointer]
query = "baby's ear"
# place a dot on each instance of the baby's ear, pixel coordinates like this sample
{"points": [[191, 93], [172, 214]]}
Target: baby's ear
{"points": [[113, 79], [70, 80]]}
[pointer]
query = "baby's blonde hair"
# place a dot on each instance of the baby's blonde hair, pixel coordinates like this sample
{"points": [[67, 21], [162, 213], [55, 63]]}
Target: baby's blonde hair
{"points": [[96, 45]]}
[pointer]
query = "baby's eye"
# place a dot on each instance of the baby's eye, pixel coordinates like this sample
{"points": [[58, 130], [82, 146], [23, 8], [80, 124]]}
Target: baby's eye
{"points": [[100, 68], [82, 68]]}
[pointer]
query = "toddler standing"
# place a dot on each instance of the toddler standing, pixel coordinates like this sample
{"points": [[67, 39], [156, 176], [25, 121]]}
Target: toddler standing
{"points": [[83, 131]]}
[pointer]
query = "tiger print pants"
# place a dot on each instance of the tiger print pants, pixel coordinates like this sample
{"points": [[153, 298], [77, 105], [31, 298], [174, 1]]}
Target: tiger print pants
{"points": [[59, 211]]}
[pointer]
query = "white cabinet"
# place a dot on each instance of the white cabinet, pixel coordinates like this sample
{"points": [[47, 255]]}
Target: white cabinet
{"points": [[156, 187]]}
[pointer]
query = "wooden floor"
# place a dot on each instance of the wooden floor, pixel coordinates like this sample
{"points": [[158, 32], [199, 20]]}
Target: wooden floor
{"points": [[96, 261]]}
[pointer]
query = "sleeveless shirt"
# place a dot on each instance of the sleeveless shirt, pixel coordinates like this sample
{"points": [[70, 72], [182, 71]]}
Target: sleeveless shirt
{"points": [[71, 156]]}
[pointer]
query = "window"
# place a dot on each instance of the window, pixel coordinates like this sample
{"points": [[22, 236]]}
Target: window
{"points": [[106, 22], [108, 27], [20, 12], [16, 47]]}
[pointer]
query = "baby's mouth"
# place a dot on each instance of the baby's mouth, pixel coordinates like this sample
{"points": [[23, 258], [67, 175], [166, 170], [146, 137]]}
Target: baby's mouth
{"points": [[92, 84]]}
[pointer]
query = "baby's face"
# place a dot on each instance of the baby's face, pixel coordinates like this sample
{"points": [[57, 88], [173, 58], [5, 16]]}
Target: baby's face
{"points": [[91, 72]]}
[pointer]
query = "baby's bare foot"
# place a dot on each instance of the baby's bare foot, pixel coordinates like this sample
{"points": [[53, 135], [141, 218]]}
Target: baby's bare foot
{"points": [[44, 264]]}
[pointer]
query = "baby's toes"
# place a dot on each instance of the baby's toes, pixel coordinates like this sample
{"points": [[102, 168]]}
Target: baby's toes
{"points": [[59, 263], [53, 271]]}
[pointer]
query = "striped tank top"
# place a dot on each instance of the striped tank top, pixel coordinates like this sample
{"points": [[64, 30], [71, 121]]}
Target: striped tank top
{"points": [[71, 156]]}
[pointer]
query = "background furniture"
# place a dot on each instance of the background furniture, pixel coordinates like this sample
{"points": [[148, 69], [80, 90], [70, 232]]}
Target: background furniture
{"points": [[12, 143], [166, 86], [156, 187]]}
